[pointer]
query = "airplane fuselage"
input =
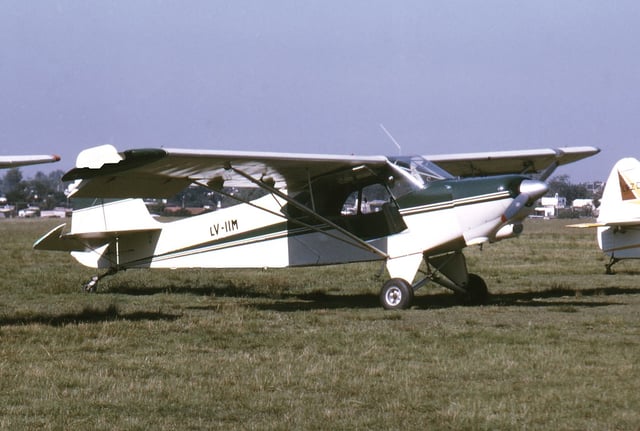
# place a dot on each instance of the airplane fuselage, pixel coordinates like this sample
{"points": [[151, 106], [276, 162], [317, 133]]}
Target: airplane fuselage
{"points": [[444, 216]]}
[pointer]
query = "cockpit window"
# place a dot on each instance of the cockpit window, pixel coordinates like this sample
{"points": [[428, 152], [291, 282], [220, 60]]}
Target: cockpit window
{"points": [[369, 199], [421, 169]]}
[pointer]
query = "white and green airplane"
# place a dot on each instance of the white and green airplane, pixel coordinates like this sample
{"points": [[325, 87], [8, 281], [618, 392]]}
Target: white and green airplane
{"points": [[317, 209], [16, 161]]}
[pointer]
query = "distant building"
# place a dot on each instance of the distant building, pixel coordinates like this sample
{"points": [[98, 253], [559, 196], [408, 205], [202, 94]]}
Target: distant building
{"points": [[29, 212], [57, 212], [594, 187], [549, 206], [582, 203], [7, 211], [583, 208]]}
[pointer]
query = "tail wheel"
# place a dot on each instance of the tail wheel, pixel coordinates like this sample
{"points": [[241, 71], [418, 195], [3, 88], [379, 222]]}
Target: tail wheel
{"points": [[396, 294], [476, 291]]}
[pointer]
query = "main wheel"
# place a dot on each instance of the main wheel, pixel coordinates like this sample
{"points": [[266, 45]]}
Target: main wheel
{"points": [[396, 294], [477, 293]]}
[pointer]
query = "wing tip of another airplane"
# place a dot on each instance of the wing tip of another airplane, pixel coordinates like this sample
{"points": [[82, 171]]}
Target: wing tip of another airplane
{"points": [[36, 159]]}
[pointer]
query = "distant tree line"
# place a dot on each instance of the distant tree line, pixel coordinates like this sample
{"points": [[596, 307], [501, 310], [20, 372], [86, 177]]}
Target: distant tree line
{"points": [[43, 190]]}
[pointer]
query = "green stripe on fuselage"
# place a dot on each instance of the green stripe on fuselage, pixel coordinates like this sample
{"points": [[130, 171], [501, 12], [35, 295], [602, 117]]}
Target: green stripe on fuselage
{"points": [[448, 191]]}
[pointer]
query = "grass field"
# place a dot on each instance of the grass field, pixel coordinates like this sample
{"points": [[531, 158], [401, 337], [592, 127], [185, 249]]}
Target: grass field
{"points": [[556, 348]]}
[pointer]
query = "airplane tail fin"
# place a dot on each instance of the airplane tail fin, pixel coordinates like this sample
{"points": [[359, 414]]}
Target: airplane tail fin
{"points": [[618, 235], [95, 228], [621, 196]]}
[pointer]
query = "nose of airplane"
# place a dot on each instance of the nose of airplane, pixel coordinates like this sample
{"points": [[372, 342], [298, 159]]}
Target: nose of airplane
{"points": [[530, 190]]}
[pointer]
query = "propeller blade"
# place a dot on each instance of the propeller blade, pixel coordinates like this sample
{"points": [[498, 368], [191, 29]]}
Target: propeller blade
{"points": [[530, 190], [516, 206]]}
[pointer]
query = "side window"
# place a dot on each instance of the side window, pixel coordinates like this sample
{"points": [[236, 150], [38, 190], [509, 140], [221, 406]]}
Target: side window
{"points": [[366, 200]]}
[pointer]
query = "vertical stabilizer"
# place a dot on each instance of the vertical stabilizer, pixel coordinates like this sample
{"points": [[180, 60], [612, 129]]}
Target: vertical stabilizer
{"points": [[621, 197]]}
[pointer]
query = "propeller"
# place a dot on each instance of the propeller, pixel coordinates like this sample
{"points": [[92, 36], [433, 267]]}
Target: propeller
{"points": [[530, 190]]}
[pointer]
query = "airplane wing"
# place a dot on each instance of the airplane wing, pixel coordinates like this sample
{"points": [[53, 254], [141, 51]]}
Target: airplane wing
{"points": [[105, 172], [165, 172], [509, 162], [15, 161]]}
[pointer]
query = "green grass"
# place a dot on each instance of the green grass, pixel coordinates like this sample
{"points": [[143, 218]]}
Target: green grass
{"points": [[556, 348]]}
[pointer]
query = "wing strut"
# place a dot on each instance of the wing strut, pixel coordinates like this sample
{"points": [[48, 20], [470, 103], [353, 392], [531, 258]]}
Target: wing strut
{"points": [[354, 239]]}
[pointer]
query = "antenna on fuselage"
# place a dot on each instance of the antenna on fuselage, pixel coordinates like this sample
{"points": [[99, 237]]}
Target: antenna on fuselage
{"points": [[392, 138]]}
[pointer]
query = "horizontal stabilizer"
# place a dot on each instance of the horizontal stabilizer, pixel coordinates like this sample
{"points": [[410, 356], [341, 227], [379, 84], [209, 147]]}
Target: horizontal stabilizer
{"points": [[56, 240], [627, 223], [586, 225]]}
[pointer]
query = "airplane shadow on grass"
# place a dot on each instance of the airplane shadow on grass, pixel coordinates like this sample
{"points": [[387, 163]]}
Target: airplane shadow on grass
{"points": [[287, 302], [87, 315], [560, 297], [448, 300]]}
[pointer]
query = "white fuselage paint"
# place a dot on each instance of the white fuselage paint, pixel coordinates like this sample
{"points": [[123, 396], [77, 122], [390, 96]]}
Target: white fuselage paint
{"points": [[247, 236]]}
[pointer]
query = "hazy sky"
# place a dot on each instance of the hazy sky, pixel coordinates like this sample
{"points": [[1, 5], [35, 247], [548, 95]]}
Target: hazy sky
{"points": [[321, 76]]}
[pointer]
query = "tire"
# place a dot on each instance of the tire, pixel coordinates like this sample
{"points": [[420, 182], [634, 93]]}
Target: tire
{"points": [[396, 294], [477, 292]]}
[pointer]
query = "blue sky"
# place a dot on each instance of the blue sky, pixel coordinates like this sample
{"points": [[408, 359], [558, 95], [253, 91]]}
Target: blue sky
{"points": [[321, 76]]}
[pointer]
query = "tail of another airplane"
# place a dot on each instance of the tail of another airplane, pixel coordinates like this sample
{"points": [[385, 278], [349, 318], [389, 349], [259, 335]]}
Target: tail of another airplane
{"points": [[619, 220], [621, 197]]}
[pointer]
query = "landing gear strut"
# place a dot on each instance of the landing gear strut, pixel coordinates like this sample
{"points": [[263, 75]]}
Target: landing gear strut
{"points": [[608, 266], [448, 270], [92, 285]]}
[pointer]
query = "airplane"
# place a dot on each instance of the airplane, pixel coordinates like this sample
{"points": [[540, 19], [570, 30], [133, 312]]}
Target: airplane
{"points": [[15, 161], [313, 211], [618, 222]]}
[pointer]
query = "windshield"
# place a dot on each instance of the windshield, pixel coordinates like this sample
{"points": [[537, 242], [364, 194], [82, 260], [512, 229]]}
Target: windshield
{"points": [[421, 169]]}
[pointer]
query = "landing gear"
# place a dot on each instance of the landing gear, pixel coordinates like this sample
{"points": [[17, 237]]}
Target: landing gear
{"points": [[448, 270], [396, 294], [92, 285], [608, 266]]}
